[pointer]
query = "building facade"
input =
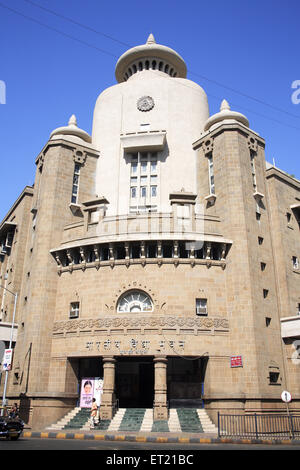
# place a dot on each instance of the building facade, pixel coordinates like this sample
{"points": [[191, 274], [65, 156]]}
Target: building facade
{"points": [[160, 254]]}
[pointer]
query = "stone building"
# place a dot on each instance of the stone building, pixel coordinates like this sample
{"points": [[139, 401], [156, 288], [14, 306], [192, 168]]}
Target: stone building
{"points": [[161, 254]]}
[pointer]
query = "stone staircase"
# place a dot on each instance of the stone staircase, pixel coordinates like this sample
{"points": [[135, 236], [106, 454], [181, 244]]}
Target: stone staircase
{"points": [[65, 420], [207, 425], [82, 416], [132, 419], [190, 420]]}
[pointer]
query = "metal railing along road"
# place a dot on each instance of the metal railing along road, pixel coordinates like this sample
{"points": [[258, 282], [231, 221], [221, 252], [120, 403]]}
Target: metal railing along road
{"points": [[258, 426]]}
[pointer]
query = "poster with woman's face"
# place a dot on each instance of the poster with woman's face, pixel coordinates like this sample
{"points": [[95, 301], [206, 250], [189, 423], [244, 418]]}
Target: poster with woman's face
{"points": [[91, 387], [87, 392]]}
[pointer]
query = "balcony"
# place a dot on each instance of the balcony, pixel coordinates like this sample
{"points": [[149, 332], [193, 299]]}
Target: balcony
{"points": [[290, 327]]}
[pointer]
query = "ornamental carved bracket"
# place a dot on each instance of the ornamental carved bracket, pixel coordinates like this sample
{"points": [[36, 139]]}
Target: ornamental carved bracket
{"points": [[252, 143], [208, 146]]}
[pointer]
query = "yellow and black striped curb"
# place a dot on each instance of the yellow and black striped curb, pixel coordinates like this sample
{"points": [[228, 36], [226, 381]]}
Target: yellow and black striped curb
{"points": [[154, 439]]}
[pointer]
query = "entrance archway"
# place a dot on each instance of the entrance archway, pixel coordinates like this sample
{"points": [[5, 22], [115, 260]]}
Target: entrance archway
{"points": [[135, 382]]}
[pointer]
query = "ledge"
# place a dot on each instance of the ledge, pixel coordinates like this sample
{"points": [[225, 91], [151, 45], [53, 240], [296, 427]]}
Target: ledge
{"points": [[143, 261], [211, 198], [258, 196], [75, 208], [139, 141], [290, 327]]}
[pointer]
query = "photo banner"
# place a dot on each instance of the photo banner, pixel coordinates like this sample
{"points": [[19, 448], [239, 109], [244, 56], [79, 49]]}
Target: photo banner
{"points": [[91, 387]]}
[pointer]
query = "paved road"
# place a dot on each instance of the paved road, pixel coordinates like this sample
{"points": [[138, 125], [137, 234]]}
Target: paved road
{"points": [[138, 448]]}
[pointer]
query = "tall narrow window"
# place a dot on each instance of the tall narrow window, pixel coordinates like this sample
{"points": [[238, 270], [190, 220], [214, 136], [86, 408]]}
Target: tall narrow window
{"points": [[252, 156], [143, 182], [75, 187], [211, 174], [295, 262]]}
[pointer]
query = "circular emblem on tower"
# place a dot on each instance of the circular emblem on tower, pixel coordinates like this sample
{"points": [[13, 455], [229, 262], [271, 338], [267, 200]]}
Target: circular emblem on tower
{"points": [[145, 103]]}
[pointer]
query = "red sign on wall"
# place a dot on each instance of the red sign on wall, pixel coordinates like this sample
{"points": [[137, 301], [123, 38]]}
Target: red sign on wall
{"points": [[236, 361]]}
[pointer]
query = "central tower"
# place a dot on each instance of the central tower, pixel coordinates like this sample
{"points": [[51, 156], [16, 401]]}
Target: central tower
{"points": [[144, 127]]}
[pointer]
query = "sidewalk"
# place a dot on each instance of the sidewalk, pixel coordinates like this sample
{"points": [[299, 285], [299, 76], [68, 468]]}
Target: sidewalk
{"points": [[153, 437]]}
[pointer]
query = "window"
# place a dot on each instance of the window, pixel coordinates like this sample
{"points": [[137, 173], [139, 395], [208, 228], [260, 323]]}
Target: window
{"points": [[252, 156], [260, 240], [153, 167], [201, 306], [75, 183], [135, 301], [74, 310], [9, 239], [295, 262], [134, 168], [143, 182], [274, 377], [288, 217], [268, 321], [211, 174], [265, 293], [262, 266], [298, 309]]}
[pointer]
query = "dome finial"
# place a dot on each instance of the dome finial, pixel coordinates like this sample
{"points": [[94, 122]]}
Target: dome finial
{"points": [[70, 131], [151, 39], [225, 115], [224, 106], [72, 120]]}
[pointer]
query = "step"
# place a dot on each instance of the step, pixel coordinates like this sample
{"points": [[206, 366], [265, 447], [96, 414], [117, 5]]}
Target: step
{"points": [[189, 420], [160, 426], [132, 419], [65, 420], [173, 422], [141, 419], [79, 420], [147, 421], [116, 421], [207, 424]]}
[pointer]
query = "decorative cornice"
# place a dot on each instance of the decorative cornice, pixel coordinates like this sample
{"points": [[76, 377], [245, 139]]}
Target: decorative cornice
{"points": [[206, 323]]}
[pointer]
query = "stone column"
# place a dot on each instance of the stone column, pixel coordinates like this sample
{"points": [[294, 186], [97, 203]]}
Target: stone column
{"points": [[108, 397], [160, 411]]}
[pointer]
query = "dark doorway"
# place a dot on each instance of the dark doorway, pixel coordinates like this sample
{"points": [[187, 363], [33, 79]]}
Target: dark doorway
{"points": [[185, 378], [90, 367], [135, 382]]}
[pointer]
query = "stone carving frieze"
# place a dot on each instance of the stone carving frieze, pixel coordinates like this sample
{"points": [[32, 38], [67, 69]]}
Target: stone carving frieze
{"points": [[141, 322]]}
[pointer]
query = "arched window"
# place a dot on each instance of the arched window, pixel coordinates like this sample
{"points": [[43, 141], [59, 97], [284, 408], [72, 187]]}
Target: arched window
{"points": [[135, 301]]}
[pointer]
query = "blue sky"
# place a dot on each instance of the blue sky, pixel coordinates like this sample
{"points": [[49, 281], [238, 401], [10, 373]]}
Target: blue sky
{"points": [[244, 51]]}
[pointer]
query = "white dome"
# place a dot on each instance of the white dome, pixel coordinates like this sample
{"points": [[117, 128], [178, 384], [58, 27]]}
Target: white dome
{"points": [[159, 57], [71, 130], [225, 114]]}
